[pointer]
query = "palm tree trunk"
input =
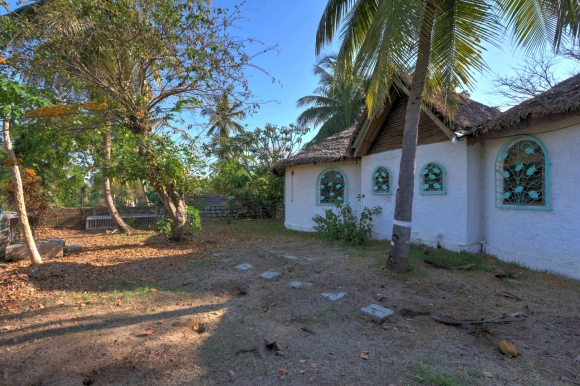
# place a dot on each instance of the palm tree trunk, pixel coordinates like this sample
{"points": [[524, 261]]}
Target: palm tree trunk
{"points": [[35, 258], [398, 260], [115, 216]]}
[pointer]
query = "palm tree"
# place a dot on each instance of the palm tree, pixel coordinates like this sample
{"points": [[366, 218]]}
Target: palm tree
{"points": [[223, 117], [337, 101], [439, 42]]}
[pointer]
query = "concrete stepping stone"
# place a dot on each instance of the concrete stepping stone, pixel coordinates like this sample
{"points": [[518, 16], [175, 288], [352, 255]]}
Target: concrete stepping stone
{"points": [[334, 297], [377, 313], [296, 284], [269, 274], [243, 267]]}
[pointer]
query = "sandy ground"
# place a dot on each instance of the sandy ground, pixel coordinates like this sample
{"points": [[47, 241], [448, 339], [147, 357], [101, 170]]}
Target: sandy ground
{"points": [[135, 310]]}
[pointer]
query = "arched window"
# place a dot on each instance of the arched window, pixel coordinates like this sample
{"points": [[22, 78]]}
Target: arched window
{"points": [[432, 179], [381, 181], [331, 187], [522, 174]]}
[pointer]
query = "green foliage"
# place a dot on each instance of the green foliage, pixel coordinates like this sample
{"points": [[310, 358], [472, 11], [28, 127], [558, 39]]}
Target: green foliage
{"points": [[344, 224], [223, 116], [193, 220], [243, 163], [381, 38], [163, 226], [172, 161], [16, 98], [337, 102]]}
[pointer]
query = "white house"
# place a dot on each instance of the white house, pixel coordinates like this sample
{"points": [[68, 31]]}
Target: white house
{"points": [[510, 186]]}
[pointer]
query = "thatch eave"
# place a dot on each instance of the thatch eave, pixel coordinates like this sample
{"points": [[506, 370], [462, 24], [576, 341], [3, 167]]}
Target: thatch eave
{"points": [[562, 98], [331, 149]]}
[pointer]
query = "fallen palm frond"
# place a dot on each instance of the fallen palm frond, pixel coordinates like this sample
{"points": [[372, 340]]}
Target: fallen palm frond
{"points": [[445, 266], [508, 295], [511, 318]]}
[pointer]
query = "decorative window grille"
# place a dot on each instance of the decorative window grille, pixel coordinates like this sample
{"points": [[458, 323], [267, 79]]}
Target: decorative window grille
{"points": [[432, 179], [381, 181], [331, 187], [522, 174]]}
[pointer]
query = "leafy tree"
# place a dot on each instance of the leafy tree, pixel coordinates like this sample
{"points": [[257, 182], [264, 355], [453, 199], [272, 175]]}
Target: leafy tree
{"points": [[14, 99], [224, 116], [439, 42], [337, 102], [149, 60], [245, 172]]}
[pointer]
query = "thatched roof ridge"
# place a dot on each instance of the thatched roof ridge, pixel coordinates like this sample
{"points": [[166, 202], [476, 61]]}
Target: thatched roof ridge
{"points": [[562, 98], [467, 116], [331, 149]]}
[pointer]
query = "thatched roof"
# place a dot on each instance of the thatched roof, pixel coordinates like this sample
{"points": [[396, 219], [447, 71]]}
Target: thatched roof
{"points": [[466, 117], [562, 98], [331, 149]]}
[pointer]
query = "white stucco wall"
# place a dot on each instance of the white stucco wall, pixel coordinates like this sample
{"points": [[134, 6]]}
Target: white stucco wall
{"points": [[540, 239], [437, 219], [301, 192]]}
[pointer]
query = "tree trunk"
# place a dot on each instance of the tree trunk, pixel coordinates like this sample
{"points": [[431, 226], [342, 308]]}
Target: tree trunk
{"points": [[115, 216], [176, 208], [35, 258], [398, 260], [82, 197], [173, 201], [147, 202]]}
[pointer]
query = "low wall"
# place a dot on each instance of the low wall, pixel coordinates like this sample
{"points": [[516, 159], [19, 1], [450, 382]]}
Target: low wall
{"points": [[75, 218], [210, 206]]}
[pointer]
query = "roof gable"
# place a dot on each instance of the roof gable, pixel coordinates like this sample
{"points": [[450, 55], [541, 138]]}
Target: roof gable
{"points": [[388, 135], [468, 114]]}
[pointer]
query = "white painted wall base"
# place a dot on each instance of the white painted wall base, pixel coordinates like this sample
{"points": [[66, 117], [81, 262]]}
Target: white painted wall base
{"points": [[570, 269], [295, 227]]}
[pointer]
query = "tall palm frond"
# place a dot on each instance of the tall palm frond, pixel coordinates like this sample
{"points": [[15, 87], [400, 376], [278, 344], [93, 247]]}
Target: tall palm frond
{"points": [[224, 117], [337, 101]]}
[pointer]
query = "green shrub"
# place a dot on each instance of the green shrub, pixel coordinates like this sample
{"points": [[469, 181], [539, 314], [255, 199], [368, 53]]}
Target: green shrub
{"points": [[344, 225], [193, 220]]}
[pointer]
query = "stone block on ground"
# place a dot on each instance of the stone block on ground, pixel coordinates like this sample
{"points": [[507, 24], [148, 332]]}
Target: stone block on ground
{"points": [[243, 267], [296, 284], [72, 249], [334, 297], [60, 241], [47, 250], [377, 313], [289, 257], [270, 274]]}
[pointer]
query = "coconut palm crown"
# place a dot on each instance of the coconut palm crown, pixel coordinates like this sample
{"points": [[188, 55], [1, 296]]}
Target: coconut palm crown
{"points": [[337, 102], [224, 117]]}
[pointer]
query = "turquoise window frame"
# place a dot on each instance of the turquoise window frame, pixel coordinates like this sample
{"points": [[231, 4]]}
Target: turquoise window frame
{"points": [[317, 190], [422, 182], [390, 191], [499, 177]]}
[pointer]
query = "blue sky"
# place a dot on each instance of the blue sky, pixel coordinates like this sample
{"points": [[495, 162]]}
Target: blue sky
{"points": [[291, 25]]}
